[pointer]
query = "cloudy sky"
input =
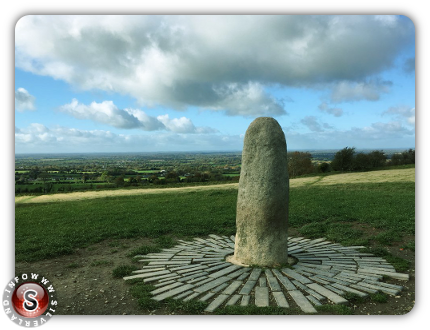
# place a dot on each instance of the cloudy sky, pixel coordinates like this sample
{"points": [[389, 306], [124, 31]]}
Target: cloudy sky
{"points": [[195, 83]]}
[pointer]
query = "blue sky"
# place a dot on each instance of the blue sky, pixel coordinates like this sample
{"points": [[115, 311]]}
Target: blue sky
{"points": [[195, 83]]}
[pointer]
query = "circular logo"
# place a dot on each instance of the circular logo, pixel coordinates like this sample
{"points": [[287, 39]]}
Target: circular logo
{"points": [[30, 299]]}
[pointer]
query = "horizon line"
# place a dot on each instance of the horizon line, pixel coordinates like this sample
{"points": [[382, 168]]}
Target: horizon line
{"points": [[194, 152]]}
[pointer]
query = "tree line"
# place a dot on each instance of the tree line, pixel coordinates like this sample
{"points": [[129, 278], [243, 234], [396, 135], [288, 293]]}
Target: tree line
{"points": [[37, 180], [346, 160]]}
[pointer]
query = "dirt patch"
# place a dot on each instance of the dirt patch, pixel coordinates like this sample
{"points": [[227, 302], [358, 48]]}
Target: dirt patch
{"points": [[85, 285], [84, 282]]}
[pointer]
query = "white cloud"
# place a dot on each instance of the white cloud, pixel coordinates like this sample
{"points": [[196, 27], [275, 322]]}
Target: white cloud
{"points": [[105, 113], [314, 124], [213, 62], [35, 133], [324, 107], [39, 138], [248, 100], [146, 122], [383, 130], [409, 65], [24, 100], [388, 20], [108, 113], [393, 134], [183, 125], [411, 119], [179, 125], [402, 113], [369, 90]]}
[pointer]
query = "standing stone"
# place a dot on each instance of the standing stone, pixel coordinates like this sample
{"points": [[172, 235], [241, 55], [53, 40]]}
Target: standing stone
{"points": [[262, 203]]}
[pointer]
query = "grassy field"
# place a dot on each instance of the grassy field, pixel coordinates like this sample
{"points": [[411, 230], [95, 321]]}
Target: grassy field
{"points": [[382, 212], [375, 209]]}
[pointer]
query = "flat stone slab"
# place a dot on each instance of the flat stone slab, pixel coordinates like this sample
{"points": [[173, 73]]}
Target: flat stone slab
{"points": [[224, 271], [324, 273], [216, 302], [293, 274], [280, 299], [249, 285], [233, 300], [271, 280], [261, 296], [212, 284], [398, 276], [173, 292], [302, 302], [327, 293], [284, 280], [232, 287]]}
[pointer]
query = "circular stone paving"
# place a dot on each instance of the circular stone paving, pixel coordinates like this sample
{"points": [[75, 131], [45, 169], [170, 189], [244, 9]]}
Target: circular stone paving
{"points": [[323, 273]]}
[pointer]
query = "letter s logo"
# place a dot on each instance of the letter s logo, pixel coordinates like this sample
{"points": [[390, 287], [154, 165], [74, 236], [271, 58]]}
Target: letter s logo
{"points": [[30, 304]]}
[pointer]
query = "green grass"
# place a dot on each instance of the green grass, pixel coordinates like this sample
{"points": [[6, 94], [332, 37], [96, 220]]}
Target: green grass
{"points": [[48, 230], [350, 214], [123, 270], [334, 309], [401, 265], [52, 229], [101, 263], [378, 297], [254, 310], [334, 211], [141, 292]]}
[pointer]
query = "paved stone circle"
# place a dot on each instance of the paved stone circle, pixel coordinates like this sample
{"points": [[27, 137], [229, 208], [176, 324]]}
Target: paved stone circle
{"points": [[324, 273]]}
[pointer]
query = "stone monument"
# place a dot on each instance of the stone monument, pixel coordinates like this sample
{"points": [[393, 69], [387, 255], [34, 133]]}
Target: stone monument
{"points": [[262, 203], [197, 269]]}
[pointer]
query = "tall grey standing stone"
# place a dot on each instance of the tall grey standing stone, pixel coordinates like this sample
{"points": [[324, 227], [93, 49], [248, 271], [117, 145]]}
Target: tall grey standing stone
{"points": [[262, 203]]}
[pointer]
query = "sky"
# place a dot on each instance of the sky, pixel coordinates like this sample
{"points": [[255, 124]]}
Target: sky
{"points": [[194, 83]]}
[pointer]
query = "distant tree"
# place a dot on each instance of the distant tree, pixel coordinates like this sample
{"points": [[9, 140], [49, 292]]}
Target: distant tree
{"points": [[404, 158], [397, 159], [299, 163], [47, 187], [411, 156], [377, 158], [153, 177], [172, 175], [361, 162], [324, 167], [23, 179], [196, 177], [119, 181], [205, 176], [44, 176], [85, 177], [34, 173], [105, 177], [343, 160], [216, 176]]}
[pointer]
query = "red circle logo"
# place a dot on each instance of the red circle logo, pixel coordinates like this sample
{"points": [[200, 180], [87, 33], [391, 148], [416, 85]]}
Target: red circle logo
{"points": [[30, 300]]}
